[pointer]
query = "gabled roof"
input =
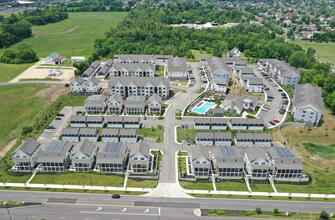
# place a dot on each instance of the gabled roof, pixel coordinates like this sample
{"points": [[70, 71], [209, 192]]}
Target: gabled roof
{"points": [[155, 97], [112, 152], [117, 97], [94, 80], [308, 95], [87, 147], [79, 80], [29, 146], [134, 66], [177, 64], [55, 152], [54, 55]]}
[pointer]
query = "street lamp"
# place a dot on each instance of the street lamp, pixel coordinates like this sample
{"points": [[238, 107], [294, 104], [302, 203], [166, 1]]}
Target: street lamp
{"points": [[6, 206]]}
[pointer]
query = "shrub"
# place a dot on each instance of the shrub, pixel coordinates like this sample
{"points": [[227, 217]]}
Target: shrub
{"points": [[275, 211], [220, 212], [211, 211], [324, 215], [249, 212], [26, 130], [258, 210]]}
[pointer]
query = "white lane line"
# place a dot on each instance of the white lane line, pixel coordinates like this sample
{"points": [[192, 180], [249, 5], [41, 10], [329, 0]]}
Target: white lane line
{"points": [[117, 213]]}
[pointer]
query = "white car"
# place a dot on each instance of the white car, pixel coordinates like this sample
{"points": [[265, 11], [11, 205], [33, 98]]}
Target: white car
{"points": [[47, 131]]}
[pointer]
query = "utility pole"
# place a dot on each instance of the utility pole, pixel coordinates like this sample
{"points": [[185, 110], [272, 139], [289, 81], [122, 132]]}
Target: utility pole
{"points": [[6, 205]]}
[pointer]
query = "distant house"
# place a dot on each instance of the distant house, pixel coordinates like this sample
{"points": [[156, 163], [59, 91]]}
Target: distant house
{"points": [[235, 52], [115, 104], [308, 104], [112, 157], [83, 156], [177, 69], [78, 59], [134, 105], [54, 59], [96, 104], [155, 104], [25, 157]]}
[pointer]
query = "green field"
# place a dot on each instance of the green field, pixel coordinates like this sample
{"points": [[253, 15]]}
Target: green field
{"points": [[261, 187], [323, 151], [19, 108], [196, 185], [81, 29], [86, 179], [183, 134], [142, 183], [10, 71], [324, 51], [231, 186], [157, 133]]}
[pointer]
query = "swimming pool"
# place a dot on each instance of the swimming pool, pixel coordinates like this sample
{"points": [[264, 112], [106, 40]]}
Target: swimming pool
{"points": [[204, 108]]}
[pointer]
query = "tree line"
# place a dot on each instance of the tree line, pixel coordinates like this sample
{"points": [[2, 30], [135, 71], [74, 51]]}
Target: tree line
{"points": [[328, 36]]}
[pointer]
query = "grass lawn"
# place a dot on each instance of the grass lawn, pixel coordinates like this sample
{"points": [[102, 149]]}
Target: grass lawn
{"points": [[183, 134], [86, 179], [182, 164], [324, 151], [157, 133], [10, 71], [198, 54], [231, 186], [5, 177], [79, 32], [160, 71], [261, 187], [324, 51], [196, 185], [19, 109], [142, 183]]}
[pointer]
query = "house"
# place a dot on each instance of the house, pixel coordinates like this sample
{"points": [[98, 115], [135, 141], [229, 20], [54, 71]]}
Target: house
{"points": [[104, 71], [128, 135], [77, 86], [139, 86], [95, 121], [177, 68], [78, 121], [132, 70], [134, 105], [239, 124], [134, 58], [56, 156], [112, 157], [110, 135], [244, 139], [235, 52], [243, 72], [255, 124], [114, 121], [140, 158], [254, 85], [91, 134], [262, 139], [114, 104], [25, 157], [131, 122], [201, 165], [202, 123], [96, 104], [93, 86], [155, 104], [78, 59], [83, 156], [92, 70], [70, 134], [205, 138], [236, 103], [219, 123], [256, 162], [307, 104], [218, 69], [54, 59], [285, 165], [228, 162], [219, 85], [222, 139]]}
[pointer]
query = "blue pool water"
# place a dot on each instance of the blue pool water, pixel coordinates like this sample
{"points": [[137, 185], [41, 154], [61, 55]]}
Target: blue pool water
{"points": [[203, 109]]}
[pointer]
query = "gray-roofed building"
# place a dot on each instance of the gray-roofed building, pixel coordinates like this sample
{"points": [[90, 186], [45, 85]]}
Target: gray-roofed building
{"points": [[205, 138], [83, 156], [135, 58], [155, 104], [257, 163], [93, 86], [228, 162], [139, 86], [222, 139], [219, 70], [92, 70], [115, 104], [177, 68], [78, 121], [238, 124], [201, 165], [140, 158], [114, 121], [219, 85], [234, 62], [24, 157], [91, 134], [110, 135], [132, 69], [254, 85], [285, 165], [263, 139], [162, 59], [56, 156], [77, 86], [236, 103], [112, 157], [219, 123], [134, 105], [70, 134], [95, 121], [255, 124], [103, 72], [219, 112], [202, 123], [96, 104], [128, 135], [244, 139], [131, 122], [307, 104]]}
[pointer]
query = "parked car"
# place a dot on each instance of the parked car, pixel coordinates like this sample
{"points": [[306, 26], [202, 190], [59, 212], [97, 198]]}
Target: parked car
{"points": [[182, 126], [186, 126], [60, 114], [283, 94], [58, 118], [272, 123], [145, 117], [264, 109], [266, 88], [47, 131], [67, 84], [280, 90], [116, 196], [271, 97], [285, 102], [193, 142], [282, 111], [50, 127], [276, 120], [188, 141]]}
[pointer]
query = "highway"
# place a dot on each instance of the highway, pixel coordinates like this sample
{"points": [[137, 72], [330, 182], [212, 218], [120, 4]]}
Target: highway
{"points": [[101, 206]]}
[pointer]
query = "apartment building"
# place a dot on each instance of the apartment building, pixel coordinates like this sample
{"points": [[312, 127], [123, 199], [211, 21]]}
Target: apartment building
{"points": [[25, 157], [83, 156], [132, 70], [177, 68]]}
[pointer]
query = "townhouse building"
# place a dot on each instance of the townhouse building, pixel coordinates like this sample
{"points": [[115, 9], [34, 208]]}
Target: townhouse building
{"points": [[83, 156], [93, 86], [96, 104], [132, 70], [201, 165], [95, 121], [210, 123], [135, 58], [155, 104], [92, 70], [253, 139], [131, 122], [251, 124], [134, 105], [128, 135], [254, 85], [114, 104], [214, 138], [236, 103], [256, 162], [140, 158], [110, 135], [114, 121], [78, 121], [25, 157], [228, 162], [112, 157], [91, 134], [104, 71], [177, 68], [70, 134], [77, 86]]}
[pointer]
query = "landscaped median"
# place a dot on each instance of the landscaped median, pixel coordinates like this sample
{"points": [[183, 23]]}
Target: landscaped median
{"points": [[11, 204]]}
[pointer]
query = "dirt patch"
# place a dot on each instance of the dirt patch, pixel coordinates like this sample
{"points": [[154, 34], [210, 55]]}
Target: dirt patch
{"points": [[7, 148], [64, 32], [52, 93], [105, 92]]}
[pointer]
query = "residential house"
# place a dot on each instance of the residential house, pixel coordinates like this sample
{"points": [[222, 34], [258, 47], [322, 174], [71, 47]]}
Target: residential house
{"points": [[70, 134], [262, 139], [219, 85], [222, 139], [234, 62], [114, 121], [254, 85], [139, 86], [92, 70], [54, 59], [131, 122], [115, 104], [219, 123], [134, 105], [235, 52], [202, 123], [56, 156], [201, 165], [205, 138], [238, 124], [255, 124], [135, 58], [112, 157], [236, 103], [93, 86], [95, 121], [228, 162], [110, 135], [128, 135], [83, 156], [91, 134], [177, 68], [256, 162], [244, 139], [155, 104], [104, 71], [132, 70], [308, 104], [96, 104], [78, 121], [24, 158], [140, 158], [77, 86]]}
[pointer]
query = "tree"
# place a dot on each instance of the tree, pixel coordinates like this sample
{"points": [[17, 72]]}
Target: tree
{"points": [[26, 130], [310, 53], [298, 59], [324, 215]]}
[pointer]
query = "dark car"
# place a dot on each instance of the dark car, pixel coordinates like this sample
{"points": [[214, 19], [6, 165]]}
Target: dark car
{"points": [[182, 126], [270, 97], [58, 118], [188, 141], [67, 84], [60, 114], [283, 94], [116, 196], [272, 123], [193, 142], [266, 88], [280, 90], [186, 126], [282, 111], [50, 127]]}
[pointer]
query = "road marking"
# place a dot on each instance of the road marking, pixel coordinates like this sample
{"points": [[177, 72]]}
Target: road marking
{"points": [[117, 213], [87, 204], [98, 209], [123, 210], [147, 210]]}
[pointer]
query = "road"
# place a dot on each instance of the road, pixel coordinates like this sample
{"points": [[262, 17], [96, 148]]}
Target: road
{"points": [[100, 206]]}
